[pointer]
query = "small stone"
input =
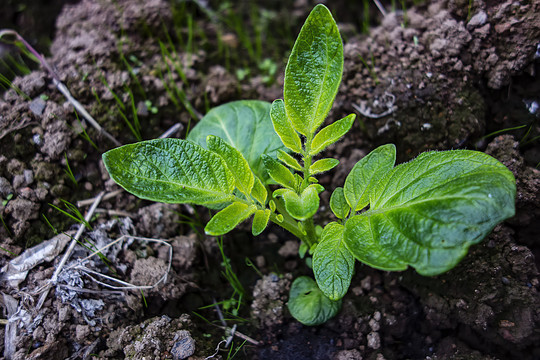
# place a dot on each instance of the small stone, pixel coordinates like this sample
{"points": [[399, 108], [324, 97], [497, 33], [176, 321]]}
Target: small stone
{"points": [[5, 187], [18, 181], [184, 345], [37, 106], [28, 176], [478, 19], [374, 340], [348, 355], [82, 332]]}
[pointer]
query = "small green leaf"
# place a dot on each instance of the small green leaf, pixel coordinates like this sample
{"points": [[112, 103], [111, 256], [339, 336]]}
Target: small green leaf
{"points": [[323, 165], [236, 163], [300, 207], [171, 171], [313, 71], [302, 250], [284, 128], [228, 218], [260, 221], [308, 304], [272, 205], [244, 124], [333, 263], [339, 204], [427, 213], [330, 134], [365, 175], [259, 191], [279, 173], [289, 160]]}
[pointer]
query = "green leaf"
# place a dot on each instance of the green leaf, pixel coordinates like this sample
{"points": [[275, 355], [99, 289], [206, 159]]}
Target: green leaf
{"points": [[339, 204], [284, 128], [300, 207], [323, 165], [259, 191], [313, 71], [246, 125], [428, 212], [236, 163], [333, 263], [308, 304], [260, 221], [171, 171], [228, 218], [279, 173], [366, 173], [330, 134], [289, 160]]}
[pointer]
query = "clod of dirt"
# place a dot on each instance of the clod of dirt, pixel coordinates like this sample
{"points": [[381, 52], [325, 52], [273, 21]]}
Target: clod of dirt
{"points": [[158, 221], [156, 338], [148, 271], [270, 296], [417, 84]]}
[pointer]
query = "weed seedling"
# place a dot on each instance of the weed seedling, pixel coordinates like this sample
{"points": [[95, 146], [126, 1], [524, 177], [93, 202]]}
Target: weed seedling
{"points": [[252, 159]]}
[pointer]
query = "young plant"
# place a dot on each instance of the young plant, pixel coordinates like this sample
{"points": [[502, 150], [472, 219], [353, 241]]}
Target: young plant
{"points": [[425, 213]]}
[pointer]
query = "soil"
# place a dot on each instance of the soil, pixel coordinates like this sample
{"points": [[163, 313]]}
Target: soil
{"points": [[441, 75]]}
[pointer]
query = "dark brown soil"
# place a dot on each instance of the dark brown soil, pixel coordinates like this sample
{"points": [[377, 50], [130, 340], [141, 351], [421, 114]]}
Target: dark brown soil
{"points": [[437, 76]]}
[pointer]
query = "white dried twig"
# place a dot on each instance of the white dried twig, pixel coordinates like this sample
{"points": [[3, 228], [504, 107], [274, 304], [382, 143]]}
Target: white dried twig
{"points": [[124, 285], [76, 238]]}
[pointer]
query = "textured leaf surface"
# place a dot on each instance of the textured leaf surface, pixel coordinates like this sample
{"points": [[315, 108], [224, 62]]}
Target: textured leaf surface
{"points": [[323, 165], [227, 219], [244, 124], [260, 221], [303, 206], [259, 191], [308, 304], [366, 173], [279, 173], [339, 204], [333, 263], [313, 71], [330, 134], [284, 128], [289, 160], [171, 171], [236, 163], [426, 213]]}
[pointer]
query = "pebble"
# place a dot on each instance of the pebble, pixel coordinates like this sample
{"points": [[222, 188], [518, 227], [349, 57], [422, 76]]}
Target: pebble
{"points": [[37, 106], [374, 340], [5, 187], [184, 345], [478, 19]]}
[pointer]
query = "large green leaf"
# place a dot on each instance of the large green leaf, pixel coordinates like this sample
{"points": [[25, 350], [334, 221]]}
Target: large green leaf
{"points": [[284, 128], [366, 173], [171, 171], [313, 72], [428, 212], [236, 163], [308, 304], [333, 263], [228, 218], [330, 134], [244, 124]]}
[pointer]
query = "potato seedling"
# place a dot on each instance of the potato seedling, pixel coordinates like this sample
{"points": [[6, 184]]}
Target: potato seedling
{"points": [[252, 159]]}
